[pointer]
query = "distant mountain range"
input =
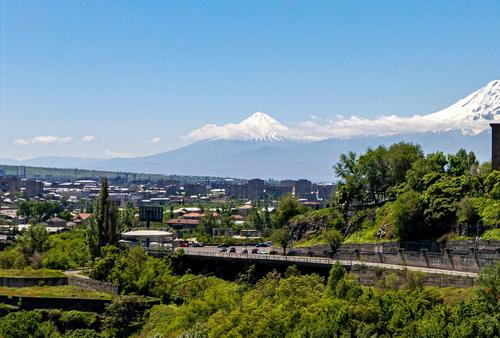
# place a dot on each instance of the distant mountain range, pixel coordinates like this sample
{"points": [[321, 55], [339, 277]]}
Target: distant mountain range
{"points": [[262, 147]]}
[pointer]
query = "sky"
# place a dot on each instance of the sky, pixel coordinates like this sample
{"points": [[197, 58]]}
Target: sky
{"points": [[130, 78]]}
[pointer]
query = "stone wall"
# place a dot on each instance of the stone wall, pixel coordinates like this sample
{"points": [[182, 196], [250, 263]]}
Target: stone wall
{"points": [[454, 255], [375, 276], [232, 269], [93, 284]]}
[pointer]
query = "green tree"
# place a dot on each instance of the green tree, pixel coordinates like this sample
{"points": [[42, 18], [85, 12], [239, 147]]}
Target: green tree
{"points": [[103, 225], [467, 212], [462, 162], [33, 240], [337, 273], [334, 238], [127, 217], [282, 238], [125, 315], [408, 216], [288, 207]]}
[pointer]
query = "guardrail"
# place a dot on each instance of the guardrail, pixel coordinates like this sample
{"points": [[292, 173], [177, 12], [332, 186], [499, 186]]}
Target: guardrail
{"points": [[322, 261]]}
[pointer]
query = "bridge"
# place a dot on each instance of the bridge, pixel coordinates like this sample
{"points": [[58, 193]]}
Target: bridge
{"points": [[211, 253]]}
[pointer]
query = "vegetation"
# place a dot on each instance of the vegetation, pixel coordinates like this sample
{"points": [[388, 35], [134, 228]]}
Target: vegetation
{"points": [[54, 291], [306, 306], [104, 223], [30, 273]]}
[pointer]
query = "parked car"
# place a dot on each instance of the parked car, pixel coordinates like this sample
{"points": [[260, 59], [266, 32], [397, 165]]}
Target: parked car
{"points": [[232, 250], [223, 249], [269, 243], [261, 245], [263, 252], [244, 251], [223, 245], [273, 252], [197, 245], [184, 245], [255, 251], [292, 253]]}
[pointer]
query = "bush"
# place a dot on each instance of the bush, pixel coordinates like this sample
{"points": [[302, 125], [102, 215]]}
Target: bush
{"points": [[71, 320], [124, 315]]}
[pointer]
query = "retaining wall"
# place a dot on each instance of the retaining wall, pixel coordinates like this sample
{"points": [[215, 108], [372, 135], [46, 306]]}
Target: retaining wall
{"points": [[93, 284], [31, 303], [454, 255], [20, 282]]}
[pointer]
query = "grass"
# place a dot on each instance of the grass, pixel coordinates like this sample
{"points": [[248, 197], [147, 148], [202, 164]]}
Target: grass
{"points": [[491, 234], [54, 292], [367, 235], [311, 241], [30, 273], [453, 295]]}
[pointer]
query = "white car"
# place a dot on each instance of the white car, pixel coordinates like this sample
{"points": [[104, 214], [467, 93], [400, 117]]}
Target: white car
{"points": [[263, 252]]}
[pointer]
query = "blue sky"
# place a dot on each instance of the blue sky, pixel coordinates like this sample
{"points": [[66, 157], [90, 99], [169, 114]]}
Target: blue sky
{"points": [[135, 76]]}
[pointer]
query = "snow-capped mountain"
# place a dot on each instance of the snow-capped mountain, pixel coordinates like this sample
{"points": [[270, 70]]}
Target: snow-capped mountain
{"points": [[470, 116], [258, 127], [474, 112], [260, 146]]}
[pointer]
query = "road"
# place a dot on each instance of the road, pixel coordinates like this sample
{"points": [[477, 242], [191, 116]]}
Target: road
{"points": [[213, 251]]}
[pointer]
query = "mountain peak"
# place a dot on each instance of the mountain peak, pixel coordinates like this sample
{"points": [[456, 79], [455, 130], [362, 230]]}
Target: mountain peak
{"points": [[480, 107], [257, 127]]}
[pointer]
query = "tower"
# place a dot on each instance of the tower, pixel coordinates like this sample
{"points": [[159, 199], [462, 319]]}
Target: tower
{"points": [[495, 145]]}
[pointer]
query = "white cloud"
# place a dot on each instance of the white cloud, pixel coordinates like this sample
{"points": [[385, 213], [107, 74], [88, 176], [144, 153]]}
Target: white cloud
{"points": [[21, 142], [155, 140], [112, 153], [88, 138], [47, 139]]}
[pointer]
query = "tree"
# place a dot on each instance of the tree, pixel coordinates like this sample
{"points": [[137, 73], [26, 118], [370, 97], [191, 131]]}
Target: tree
{"points": [[461, 163], [127, 217], [408, 216], [334, 238], [337, 273], [375, 168], [124, 315], [288, 207], [282, 237], [33, 240], [467, 212], [103, 224]]}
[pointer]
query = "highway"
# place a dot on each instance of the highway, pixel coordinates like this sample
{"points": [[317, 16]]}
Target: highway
{"points": [[213, 251]]}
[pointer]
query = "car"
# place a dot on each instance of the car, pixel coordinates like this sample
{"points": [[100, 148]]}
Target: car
{"points": [[273, 252], [261, 245], [269, 243], [255, 251], [223, 249], [223, 245], [197, 245], [263, 252], [184, 245], [244, 251], [232, 250]]}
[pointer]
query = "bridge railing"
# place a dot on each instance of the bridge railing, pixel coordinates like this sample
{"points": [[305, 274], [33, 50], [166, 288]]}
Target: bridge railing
{"points": [[266, 257]]}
